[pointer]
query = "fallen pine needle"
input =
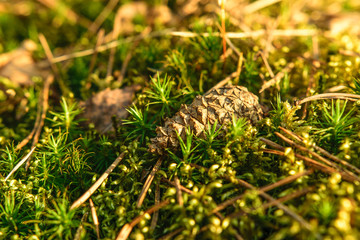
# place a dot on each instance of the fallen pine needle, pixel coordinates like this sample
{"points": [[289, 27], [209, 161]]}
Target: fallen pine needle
{"points": [[97, 184], [21, 163]]}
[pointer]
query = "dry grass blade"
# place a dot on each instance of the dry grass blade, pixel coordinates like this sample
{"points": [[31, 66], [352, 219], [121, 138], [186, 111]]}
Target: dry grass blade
{"points": [[97, 184], [279, 183], [95, 218], [20, 163], [322, 151], [148, 182], [127, 228], [322, 96]]}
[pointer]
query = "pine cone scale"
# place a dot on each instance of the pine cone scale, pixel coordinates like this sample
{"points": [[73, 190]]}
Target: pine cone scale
{"points": [[219, 105]]}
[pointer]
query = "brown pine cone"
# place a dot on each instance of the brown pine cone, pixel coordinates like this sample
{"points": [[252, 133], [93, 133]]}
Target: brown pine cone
{"points": [[218, 104]]}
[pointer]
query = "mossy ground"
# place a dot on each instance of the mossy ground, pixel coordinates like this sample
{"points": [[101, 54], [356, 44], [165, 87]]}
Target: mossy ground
{"points": [[317, 198]]}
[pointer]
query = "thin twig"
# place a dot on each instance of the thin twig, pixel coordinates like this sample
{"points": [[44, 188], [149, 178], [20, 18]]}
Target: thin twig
{"points": [[148, 182], [97, 184], [95, 218], [127, 228], [22, 161]]}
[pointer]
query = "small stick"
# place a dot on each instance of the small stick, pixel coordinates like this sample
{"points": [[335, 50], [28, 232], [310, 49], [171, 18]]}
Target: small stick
{"points": [[20, 163], [95, 218], [127, 228], [156, 213], [178, 191], [97, 184], [148, 182]]}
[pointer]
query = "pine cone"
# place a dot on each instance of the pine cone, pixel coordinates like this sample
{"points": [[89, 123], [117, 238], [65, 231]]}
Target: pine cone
{"points": [[219, 104]]}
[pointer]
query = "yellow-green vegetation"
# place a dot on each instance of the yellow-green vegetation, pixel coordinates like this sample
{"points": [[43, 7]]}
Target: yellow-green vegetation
{"points": [[293, 175]]}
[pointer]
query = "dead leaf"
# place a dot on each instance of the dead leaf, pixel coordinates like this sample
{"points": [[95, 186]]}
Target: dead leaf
{"points": [[19, 66], [159, 14], [100, 108]]}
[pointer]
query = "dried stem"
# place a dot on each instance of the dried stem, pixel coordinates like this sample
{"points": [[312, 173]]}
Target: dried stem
{"points": [[97, 184], [148, 182]]}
